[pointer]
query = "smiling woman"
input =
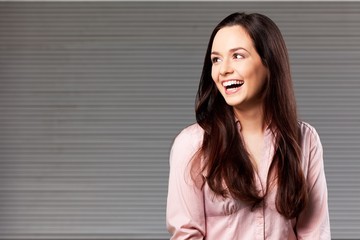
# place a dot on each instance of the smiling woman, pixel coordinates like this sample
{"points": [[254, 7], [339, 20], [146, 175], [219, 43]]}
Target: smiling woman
{"points": [[235, 60], [248, 169]]}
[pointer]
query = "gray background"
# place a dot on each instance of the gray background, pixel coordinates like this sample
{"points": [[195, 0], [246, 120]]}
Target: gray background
{"points": [[92, 95]]}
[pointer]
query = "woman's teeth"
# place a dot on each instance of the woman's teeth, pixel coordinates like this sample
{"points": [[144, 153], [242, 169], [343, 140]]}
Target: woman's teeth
{"points": [[233, 84]]}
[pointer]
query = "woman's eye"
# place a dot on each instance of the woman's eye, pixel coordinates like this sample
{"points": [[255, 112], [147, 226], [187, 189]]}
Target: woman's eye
{"points": [[238, 56], [215, 60]]}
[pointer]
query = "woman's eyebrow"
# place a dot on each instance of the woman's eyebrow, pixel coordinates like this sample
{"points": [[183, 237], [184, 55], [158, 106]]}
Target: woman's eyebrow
{"points": [[238, 48], [231, 50], [215, 53]]}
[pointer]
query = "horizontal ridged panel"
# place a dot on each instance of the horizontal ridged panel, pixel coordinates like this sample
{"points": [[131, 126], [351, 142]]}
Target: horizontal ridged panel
{"points": [[93, 93]]}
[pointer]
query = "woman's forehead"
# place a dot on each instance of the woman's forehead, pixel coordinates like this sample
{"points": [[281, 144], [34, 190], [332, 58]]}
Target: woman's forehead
{"points": [[233, 37]]}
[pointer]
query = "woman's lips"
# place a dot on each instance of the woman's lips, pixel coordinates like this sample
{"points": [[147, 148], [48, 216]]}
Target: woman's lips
{"points": [[232, 86]]}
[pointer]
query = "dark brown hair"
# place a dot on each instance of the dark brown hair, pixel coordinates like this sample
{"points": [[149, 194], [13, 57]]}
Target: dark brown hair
{"points": [[225, 157]]}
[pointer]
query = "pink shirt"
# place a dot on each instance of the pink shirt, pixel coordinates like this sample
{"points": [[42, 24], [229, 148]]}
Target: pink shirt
{"points": [[193, 213]]}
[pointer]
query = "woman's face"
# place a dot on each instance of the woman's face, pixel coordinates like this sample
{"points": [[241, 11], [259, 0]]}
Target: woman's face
{"points": [[237, 69]]}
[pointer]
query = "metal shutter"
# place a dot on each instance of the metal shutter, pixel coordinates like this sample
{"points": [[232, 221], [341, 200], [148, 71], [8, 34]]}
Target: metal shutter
{"points": [[93, 93]]}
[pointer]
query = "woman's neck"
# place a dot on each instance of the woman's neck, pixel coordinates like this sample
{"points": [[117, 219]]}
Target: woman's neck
{"points": [[251, 121]]}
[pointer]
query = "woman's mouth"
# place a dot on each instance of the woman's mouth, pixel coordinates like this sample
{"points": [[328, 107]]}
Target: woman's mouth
{"points": [[232, 86]]}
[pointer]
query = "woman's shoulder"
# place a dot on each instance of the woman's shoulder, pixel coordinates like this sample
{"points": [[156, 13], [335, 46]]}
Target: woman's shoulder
{"points": [[307, 130], [185, 145], [190, 136], [309, 135]]}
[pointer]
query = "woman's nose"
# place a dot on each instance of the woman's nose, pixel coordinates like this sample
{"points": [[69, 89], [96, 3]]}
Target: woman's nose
{"points": [[226, 68]]}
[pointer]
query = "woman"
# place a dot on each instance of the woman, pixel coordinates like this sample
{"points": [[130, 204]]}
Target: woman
{"points": [[248, 169]]}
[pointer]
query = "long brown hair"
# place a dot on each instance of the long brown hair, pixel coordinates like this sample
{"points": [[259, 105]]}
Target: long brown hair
{"points": [[225, 157]]}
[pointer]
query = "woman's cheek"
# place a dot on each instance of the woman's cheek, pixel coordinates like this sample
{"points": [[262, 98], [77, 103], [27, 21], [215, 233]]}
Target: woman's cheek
{"points": [[213, 75]]}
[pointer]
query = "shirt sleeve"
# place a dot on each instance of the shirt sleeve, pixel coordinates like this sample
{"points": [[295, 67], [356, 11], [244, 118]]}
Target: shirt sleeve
{"points": [[185, 217], [313, 222]]}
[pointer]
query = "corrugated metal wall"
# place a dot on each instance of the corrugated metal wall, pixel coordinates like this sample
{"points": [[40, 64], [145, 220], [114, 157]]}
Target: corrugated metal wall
{"points": [[93, 93]]}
